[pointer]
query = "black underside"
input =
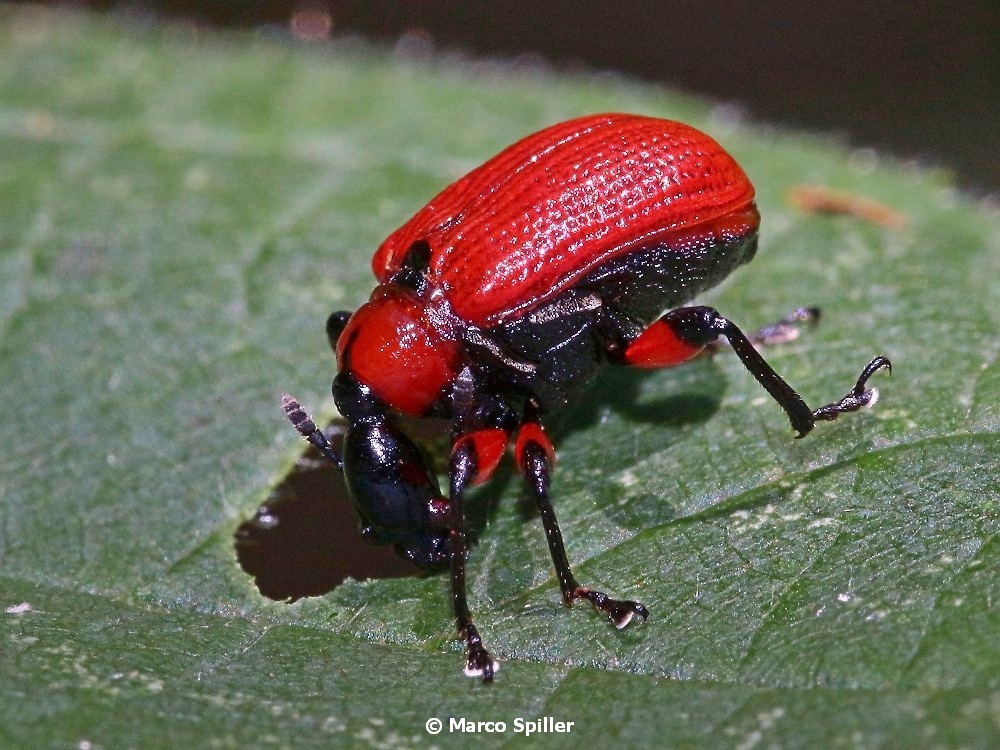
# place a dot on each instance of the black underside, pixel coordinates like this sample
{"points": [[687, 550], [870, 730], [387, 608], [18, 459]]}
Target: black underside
{"points": [[552, 350]]}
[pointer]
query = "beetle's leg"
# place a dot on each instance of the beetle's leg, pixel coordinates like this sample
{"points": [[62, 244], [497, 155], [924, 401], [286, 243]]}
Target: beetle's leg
{"points": [[486, 447], [479, 438], [463, 471], [535, 458], [307, 428], [335, 326], [681, 334], [781, 332]]}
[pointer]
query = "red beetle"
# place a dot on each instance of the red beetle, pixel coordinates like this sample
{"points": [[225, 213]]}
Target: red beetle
{"points": [[505, 293]]}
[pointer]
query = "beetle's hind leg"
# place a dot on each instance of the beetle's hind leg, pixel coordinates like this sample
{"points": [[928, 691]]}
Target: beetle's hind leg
{"points": [[782, 331], [682, 334], [535, 457]]}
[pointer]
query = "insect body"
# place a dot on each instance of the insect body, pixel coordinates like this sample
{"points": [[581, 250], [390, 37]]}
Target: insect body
{"points": [[506, 293]]}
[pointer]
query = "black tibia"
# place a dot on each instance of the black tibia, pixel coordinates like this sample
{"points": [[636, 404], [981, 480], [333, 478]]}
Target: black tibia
{"points": [[335, 326], [307, 428], [535, 467], [462, 470], [703, 325], [389, 481]]}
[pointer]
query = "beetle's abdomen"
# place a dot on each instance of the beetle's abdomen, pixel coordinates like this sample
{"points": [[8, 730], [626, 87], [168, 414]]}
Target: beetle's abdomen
{"points": [[539, 216], [651, 279]]}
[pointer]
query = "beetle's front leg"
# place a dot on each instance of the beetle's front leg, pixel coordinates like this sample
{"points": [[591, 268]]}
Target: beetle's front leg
{"points": [[535, 457], [463, 470], [479, 442], [682, 334]]}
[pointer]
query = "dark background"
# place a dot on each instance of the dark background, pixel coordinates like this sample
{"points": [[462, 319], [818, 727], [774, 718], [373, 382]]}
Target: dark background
{"points": [[919, 78]]}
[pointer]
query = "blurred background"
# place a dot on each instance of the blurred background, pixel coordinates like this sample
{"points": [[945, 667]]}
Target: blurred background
{"points": [[919, 78]]}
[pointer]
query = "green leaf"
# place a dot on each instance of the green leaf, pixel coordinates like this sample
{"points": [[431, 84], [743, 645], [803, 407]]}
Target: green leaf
{"points": [[181, 211]]}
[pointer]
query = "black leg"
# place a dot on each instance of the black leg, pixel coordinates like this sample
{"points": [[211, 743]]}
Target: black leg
{"points": [[781, 332], [463, 468], [700, 326], [533, 460], [858, 395]]}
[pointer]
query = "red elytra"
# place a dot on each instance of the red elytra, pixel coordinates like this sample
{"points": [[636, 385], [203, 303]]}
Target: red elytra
{"points": [[537, 217], [507, 292], [529, 224]]}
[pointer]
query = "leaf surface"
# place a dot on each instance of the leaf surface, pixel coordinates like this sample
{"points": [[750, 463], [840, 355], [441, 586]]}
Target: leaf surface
{"points": [[181, 212]]}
